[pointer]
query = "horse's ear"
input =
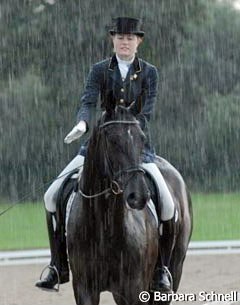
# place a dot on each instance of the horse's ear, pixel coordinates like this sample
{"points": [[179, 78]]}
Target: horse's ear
{"points": [[111, 102]]}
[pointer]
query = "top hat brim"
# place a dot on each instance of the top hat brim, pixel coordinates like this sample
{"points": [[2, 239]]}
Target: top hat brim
{"points": [[138, 33]]}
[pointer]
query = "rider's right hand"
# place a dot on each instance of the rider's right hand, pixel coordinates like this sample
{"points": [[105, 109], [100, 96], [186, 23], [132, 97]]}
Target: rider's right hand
{"points": [[76, 132]]}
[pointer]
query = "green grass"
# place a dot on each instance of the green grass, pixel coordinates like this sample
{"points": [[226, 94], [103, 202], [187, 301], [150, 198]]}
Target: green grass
{"points": [[216, 217], [23, 227]]}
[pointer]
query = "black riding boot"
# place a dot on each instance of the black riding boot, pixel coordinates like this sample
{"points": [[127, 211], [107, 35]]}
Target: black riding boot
{"points": [[58, 268], [162, 279]]}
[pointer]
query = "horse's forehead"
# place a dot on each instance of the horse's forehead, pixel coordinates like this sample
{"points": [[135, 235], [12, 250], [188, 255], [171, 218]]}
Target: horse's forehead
{"points": [[120, 128], [120, 113]]}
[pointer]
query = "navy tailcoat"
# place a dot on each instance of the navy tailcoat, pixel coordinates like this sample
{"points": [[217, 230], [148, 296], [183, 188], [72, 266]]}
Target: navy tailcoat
{"points": [[139, 86]]}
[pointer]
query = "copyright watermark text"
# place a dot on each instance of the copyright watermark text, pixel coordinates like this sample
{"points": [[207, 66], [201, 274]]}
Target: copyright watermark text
{"points": [[144, 296], [203, 296]]}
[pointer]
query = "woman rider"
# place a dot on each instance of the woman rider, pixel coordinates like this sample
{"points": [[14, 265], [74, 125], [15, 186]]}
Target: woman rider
{"points": [[129, 79]]}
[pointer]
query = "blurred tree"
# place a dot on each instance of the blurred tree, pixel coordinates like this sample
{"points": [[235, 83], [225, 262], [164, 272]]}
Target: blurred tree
{"points": [[47, 48], [222, 141]]}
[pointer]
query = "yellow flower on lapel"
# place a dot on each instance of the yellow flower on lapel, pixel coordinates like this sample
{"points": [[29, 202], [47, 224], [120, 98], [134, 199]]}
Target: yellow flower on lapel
{"points": [[134, 76]]}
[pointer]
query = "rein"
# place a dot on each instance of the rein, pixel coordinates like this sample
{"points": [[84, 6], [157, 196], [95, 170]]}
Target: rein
{"points": [[26, 196], [114, 185], [95, 195]]}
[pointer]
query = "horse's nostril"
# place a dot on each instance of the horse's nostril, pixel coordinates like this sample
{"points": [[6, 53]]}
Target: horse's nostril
{"points": [[131, 199], [131, 196], [135, 201]]}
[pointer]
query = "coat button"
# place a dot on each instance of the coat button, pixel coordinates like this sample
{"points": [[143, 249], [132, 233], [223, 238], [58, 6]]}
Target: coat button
{"points": [[122, 89], [121, 101]]}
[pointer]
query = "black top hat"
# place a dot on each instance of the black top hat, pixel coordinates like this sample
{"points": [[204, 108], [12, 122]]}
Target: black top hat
{"points": [[126, 25]]}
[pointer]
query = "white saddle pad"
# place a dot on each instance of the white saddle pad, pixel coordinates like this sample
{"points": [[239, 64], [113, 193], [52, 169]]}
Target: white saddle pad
{"points": [[151, 207]]}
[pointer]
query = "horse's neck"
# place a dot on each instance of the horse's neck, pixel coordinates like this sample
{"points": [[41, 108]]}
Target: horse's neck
{"points": [[108, 207], [91, 180]]}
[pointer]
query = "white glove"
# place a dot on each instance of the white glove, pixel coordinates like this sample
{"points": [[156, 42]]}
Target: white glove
{"points": [[76, 132]]}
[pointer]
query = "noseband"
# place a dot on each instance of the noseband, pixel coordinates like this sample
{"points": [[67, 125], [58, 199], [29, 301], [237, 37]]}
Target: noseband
{"points": [[114, 185]]}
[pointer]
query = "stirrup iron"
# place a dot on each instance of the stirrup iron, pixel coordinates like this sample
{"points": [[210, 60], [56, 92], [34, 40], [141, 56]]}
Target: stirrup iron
{"points": [[58, 277]]}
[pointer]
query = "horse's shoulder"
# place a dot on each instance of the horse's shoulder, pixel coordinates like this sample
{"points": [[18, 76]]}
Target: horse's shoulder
{"points": [[173, 178], [167, 169]]}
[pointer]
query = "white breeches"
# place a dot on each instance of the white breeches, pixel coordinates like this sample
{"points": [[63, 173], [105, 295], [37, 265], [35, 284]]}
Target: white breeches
{"points": [[167, 209], [50, 197]]}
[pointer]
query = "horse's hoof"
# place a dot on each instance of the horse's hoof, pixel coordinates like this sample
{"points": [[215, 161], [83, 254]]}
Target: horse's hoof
{"points": [[163, 281]]}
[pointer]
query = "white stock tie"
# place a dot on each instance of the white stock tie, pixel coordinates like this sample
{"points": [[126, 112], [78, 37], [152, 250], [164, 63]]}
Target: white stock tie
{"points": [[123, 66]]}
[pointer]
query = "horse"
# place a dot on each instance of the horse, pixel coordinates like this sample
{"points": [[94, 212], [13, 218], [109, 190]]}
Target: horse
{"points": [[112, 236]]}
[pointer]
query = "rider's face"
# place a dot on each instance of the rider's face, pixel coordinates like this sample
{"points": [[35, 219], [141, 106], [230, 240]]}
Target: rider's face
{"points": [[125, 45]]}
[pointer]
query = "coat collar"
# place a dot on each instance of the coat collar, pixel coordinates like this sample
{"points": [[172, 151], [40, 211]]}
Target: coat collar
{"points": [[136, 64]]}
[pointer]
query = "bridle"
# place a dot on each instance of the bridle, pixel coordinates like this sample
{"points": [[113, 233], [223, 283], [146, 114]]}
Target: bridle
{"points": [[114, 184]]}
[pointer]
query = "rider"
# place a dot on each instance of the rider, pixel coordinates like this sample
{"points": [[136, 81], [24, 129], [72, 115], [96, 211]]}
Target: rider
{"points": [[129, 79]]}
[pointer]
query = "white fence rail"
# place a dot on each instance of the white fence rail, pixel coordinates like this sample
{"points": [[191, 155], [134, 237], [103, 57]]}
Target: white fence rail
{"points": [[214, 247], [195, 248]]}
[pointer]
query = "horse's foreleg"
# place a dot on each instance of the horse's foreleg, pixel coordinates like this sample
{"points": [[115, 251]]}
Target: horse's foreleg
{"points": [[84, 296], [179, 253], [176, 264]]}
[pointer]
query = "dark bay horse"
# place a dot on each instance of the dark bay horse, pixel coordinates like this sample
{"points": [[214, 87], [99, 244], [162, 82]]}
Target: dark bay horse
{"points": [[112, 237]]}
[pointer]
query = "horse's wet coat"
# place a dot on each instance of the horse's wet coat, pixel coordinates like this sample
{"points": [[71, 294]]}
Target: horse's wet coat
{"points": [[111, 246]]}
